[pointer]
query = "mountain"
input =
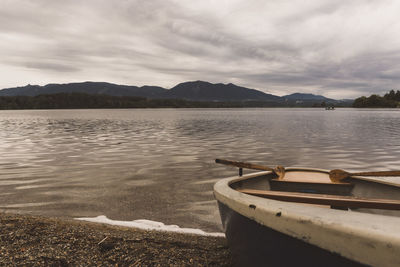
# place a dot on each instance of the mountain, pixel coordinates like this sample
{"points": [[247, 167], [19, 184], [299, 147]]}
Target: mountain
{"points": [[87, 88], [300, 96], [193, 91], [205, 91], [196, 91]]}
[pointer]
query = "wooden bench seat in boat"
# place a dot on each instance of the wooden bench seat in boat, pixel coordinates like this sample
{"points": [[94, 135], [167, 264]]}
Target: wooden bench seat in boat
{"points": [[343, 189], [323, 199]]}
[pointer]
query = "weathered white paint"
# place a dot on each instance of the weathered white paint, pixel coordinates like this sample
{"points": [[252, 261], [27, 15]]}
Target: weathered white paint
{"points": [[367, 238]]}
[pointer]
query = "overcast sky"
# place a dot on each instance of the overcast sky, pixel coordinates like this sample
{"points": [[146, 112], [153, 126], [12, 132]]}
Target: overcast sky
{"points": [[339, 49]]}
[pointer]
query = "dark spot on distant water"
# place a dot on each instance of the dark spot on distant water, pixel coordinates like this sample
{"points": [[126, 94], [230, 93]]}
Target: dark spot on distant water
{"points": [[251, 206], [278, 214]]}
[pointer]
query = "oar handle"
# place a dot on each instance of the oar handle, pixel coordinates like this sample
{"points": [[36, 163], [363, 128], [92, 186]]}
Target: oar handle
{"points": [[245, 165], [377, 173]]}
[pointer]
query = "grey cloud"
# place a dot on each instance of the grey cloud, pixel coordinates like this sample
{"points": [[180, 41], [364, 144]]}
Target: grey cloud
{"points": [[202, 38], [51, 66], [273, 46], [322, 8]]}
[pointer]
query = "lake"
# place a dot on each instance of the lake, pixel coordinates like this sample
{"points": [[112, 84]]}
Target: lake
{"points": [[158, 164]]}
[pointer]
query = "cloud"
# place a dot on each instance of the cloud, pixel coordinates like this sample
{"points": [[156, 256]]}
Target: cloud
{"points": [[335, 48], [51, 66]]}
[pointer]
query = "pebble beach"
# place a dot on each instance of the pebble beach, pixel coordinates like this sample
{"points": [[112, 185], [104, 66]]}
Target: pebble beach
{"points": [[41, 241]]}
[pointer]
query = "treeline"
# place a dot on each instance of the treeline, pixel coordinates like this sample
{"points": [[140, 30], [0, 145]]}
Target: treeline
{"points": [[389, 100], [87, 101], [93, 101], [67, 101]]}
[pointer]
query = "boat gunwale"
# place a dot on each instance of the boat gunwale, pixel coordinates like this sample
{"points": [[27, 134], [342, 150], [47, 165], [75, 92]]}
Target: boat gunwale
{"points": [[327, 229]]}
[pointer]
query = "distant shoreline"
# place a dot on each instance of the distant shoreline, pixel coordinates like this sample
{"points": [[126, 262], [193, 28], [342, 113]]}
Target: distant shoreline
{"points": [[87, 101]]}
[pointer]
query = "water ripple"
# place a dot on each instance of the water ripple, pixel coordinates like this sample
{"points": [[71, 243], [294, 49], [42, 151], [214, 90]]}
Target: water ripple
{"points": [[158, 164]]}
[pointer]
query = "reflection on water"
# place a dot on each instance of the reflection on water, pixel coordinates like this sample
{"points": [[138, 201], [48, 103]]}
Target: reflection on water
{"points": [[159, 164]]}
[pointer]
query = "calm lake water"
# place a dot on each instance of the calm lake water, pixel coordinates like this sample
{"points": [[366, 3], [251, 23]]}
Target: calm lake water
{"points": [[159, 164]]}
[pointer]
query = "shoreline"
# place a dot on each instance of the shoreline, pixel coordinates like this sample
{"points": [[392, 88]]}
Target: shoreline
{"points": [[36, 240]]}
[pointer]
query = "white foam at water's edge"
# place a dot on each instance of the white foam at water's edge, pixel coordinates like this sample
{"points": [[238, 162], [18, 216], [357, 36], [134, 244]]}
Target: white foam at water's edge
{"points": [[149, 225]]}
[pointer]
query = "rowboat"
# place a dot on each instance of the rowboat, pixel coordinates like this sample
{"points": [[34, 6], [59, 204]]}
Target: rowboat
{"points": [[304, 218]]}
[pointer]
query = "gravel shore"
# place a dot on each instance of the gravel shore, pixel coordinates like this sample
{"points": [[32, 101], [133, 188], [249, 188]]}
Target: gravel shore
{"points": [[39, 241]]}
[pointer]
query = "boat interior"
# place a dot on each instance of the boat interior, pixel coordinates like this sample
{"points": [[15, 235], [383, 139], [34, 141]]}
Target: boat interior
{"points": [[314, 187]]}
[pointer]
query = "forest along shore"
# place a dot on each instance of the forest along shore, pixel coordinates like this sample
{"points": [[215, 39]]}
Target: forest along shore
{"points": [[33, 240]]}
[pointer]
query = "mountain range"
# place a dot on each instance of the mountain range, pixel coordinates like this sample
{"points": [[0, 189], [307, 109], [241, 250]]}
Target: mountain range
{"points": [[193, 90]]}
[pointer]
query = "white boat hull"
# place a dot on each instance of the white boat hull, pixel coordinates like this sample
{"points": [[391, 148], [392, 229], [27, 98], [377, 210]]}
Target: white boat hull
{"points": [[262, 230]]}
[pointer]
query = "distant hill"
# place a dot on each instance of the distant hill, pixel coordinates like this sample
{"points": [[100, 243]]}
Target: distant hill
{"points": [[191, 91], [306, 100], [300, 96], [205, 91], [195, 91], [93, 88]]}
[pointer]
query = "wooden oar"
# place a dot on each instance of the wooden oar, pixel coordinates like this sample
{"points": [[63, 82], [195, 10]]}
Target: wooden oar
{"points": [[339, 175], [279, 170]]}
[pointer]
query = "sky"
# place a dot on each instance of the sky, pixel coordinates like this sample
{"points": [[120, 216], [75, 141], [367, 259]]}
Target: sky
{"points": [[339, 49]]}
